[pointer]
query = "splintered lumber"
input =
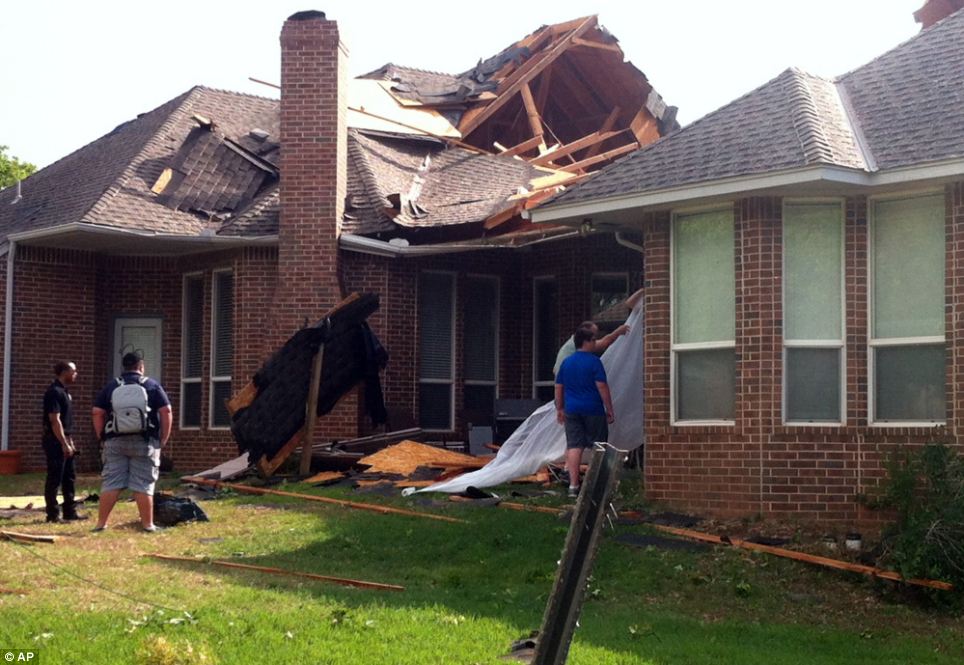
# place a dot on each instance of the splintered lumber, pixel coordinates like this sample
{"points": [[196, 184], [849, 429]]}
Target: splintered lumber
{"points": [[803, 556], [375, 442], [324, 477], [609, 154], [533, 509], [28, 537], [535, 122], [575, 146], [359, 584], [407, 456], [247, 489], [525, 146]]}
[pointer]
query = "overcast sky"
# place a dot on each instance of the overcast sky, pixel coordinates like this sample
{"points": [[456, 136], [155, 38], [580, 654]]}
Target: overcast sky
{"points": [[73, 70]]}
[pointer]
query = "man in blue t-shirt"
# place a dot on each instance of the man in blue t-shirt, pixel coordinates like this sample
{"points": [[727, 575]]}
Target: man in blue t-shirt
{"points": [[583, 402], [132, 460]]}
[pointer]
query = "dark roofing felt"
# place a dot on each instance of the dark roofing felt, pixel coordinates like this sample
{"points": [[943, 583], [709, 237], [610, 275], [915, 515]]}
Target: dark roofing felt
{"points": [[908, 104], [108, 182]]}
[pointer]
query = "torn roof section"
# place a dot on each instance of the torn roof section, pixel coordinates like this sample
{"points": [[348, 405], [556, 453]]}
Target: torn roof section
{"points": [[432, 157]]}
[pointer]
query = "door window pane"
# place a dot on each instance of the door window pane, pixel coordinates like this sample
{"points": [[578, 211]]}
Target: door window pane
{"points": [[191, 404], [479, 404], [812, 254], [910, 383], [813, 385], [546, 312], [706, 384], [704, 277], [221, 391], [480, 328], [435, 325], [223, 323], [908, 263], [192, 341], [608, 291]]}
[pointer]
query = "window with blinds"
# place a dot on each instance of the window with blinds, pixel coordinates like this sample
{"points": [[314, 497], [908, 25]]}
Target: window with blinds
{"points": [[704, 317], [907, 343], [813, 311], [222, 346], [192, 350], [480, 340], [436, 338]]}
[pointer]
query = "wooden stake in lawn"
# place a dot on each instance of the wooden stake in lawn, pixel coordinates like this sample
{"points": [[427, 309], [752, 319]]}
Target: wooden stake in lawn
{"points": [[565, 603], [27, 537], [311, 411]]}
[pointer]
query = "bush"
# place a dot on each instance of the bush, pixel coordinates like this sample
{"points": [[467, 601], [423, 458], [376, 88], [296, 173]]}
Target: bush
{"points": [[925, 490]]}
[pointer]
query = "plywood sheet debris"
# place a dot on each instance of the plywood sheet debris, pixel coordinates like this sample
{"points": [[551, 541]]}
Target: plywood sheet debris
{"points": [[407, 456]]}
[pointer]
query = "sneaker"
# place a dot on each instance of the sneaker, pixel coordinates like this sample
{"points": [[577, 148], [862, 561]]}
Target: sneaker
{"points": [[98, 529], [54, 519], [153, 528], [573, 492]]}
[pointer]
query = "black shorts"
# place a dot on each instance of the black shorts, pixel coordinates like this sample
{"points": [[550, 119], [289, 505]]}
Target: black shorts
{"points": [[582, 431]]}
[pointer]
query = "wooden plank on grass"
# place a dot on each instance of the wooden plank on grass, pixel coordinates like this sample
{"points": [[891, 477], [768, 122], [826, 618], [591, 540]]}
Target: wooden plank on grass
{"points": [[28, 537], [359, 584], [803, 556], [375, 508]]}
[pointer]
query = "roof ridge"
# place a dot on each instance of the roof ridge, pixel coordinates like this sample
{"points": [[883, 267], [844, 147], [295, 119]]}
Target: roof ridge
{"points": [[414, 69], [129, 170], [806, 118], [236, 93]]}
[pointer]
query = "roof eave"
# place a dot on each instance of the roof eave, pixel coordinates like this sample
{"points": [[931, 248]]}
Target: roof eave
{"points": [[577, 211]]}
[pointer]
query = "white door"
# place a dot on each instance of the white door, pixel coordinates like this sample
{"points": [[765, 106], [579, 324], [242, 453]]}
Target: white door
{"points": [[143, 336]]}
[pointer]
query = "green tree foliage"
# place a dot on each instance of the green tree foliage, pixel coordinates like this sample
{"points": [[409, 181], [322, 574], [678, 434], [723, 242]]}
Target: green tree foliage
{"points": [[12, 169]]}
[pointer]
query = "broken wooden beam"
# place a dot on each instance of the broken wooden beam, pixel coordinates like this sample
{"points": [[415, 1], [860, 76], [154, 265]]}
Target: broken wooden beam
{"points": [[358, 584], [28, 537], [606, 126], [614, 48], [247, 489], [803, 556], [532, 113], [609, 154], [586, 141], [311, 410], [520, 148], [528, 71]]}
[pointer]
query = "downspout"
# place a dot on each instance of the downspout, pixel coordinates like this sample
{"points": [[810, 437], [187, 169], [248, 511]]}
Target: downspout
{"points": [[7, 346], [626, 243]]}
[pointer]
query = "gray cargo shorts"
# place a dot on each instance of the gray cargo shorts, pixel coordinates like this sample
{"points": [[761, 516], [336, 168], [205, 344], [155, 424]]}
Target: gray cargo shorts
{"points": [[583, 430], [131, 461]]}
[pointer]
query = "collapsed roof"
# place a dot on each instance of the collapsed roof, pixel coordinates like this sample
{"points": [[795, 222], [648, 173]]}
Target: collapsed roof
{"points": [[430, 156]]}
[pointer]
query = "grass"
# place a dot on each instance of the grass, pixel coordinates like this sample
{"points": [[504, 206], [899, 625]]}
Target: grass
{"points": [[471, 589]]}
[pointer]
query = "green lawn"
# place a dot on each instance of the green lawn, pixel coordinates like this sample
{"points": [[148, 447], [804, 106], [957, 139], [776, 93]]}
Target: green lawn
{"points": [[471, 589]]}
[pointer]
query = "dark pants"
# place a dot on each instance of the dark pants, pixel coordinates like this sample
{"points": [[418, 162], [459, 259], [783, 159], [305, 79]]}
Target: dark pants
{"points": [[60, 475]]}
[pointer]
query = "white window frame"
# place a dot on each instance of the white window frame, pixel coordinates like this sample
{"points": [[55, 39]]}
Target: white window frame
{"points": [[199, 379], [498, 323], [212, 377], [872, 343], [536, 384], [693, 346], [623, 275], [453, 277], [839, 344]]}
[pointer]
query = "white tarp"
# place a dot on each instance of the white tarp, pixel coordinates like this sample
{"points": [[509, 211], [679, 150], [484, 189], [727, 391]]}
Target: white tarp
{"points": [[541, 439]]}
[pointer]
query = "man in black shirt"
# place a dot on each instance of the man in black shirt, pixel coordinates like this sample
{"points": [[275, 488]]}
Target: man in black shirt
{"points": [[58, 444]]}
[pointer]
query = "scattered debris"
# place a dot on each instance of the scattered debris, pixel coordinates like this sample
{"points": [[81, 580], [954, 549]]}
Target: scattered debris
{"points": [[359, 584], [804, 557], [407, 456], [227, 470], [325, 478], [28, 537], [322, 499]]}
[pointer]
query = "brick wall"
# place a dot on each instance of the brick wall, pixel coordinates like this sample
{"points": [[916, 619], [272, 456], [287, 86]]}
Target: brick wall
{"points": [[760, 465]]}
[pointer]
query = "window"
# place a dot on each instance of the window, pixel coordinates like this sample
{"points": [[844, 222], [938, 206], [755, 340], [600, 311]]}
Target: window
{"points": [[436, 318], [191, 350], [222, 346], [704, 317], [813, 310], [545, 336], [481, 348], [907, 310], [608, 290]]}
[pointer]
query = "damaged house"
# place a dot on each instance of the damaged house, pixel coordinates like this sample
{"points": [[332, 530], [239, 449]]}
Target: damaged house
{"points": [[802, 249], [208, 230]]}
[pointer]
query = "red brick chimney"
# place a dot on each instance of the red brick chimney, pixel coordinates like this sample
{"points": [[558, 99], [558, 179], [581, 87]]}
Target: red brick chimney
{"points": [[313, 169], [935, 10]]}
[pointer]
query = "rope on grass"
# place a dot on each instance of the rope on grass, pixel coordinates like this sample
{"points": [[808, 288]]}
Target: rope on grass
{"points": [[94, 583]]}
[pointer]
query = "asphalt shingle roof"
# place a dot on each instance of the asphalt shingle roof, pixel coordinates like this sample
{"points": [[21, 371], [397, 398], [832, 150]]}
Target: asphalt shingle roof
{"points": [[907, 104], [108, 182]]}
